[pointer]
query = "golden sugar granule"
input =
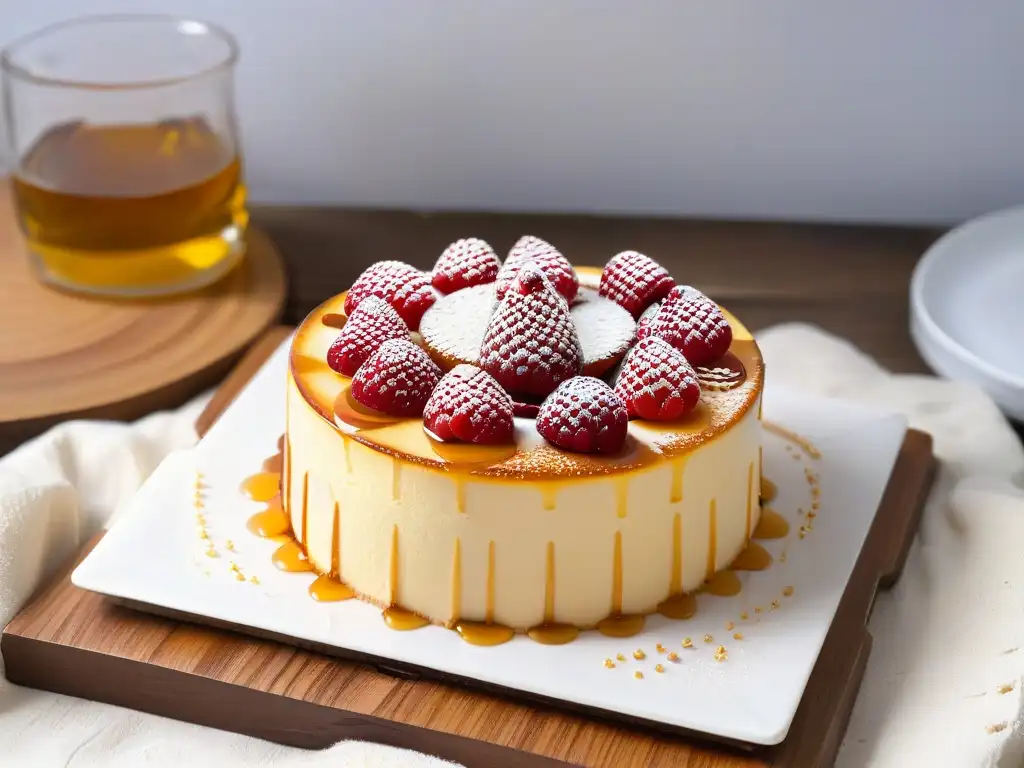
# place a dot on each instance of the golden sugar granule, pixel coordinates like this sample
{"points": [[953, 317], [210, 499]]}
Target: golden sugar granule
{"points": [[775, 605], [758, 609], [787, 592], [737, 635], [1006, 688], [687, 642], [639, 654], [609, 664], [197, 503], [658, 668], [203, 534], [239, 575], [802, 532], [638, 675], [659, 648], [721, 654], [708, 639], [229, 545], [729, 625], [620, 657], [996, 728], [744, 616], [211, 552], [673, 656], [253, 580]]}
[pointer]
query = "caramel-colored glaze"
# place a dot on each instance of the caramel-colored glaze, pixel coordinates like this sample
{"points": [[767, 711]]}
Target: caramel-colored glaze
{"points": [[403, 620], [483, 633], [303, 538], [750, 496], [678, 607], [274, 463], [334, 320], [290, 557], [725, 373], [675, 494], [622, 496], [553, 634], [489, 607], [801, 442], [621, 626], [772, 525], [712, 539], [271, 522], [676, 578], [549, 585], [753, 558], [325, 391], [393, 582], [336, 541], [723, 584], [280, 443], [286, 485], [328, 590], [349, 411], [469, 456], [460, 495], [457, 578], [617, 575], [263, 486], [768, 490]]}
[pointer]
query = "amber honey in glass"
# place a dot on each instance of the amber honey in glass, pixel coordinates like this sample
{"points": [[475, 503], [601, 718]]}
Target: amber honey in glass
{"points": [[129, 180]]}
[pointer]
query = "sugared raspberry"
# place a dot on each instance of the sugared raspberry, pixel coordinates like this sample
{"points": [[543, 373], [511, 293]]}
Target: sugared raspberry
{"points": [[693, 324], [464, 263], [374, 322], [469, 405], [584, 415], [531, 343], [656, 382], [552, 263], [634, 281], [397, 379], [645, 319], [403, 287]]}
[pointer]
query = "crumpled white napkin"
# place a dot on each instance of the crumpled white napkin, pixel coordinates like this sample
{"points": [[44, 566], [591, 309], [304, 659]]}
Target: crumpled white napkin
{"points": [[940, 658]]}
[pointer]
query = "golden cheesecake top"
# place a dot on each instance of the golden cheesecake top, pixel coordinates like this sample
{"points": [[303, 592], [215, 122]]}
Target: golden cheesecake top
{"points": [[728, 391]]}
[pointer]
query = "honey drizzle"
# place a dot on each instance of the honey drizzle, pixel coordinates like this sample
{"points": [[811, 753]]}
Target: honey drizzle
{"points": [[772, 525], [393, 586], [263, 486], [287, 498], [273, 463], [291, 558], [489, 611], [269, 523], [801, 442], [723, 584], [305, 508], [617, 625], [754, 557], [482, 633], [617, 575], [403, 620], [327, 590], [750, 496], [553, 634], [396, 479], [712, 540], [549, 585], [768, 490], [676, 580], [679, 607], [622, 496], [676, 491], [457, 578], [548, 496], [336, 542]]}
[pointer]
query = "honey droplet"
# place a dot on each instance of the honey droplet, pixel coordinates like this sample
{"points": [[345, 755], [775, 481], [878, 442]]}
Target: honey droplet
{"points": [[262, 486], [679, 607], [484, 634], [270, 522], [290, 557], [621, 626], [723, 584], [327, 590], [403, 620], [772, 525], [553, 634]]}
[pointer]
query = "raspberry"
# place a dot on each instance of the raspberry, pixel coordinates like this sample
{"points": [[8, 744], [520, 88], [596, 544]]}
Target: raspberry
{"points": [[403, 287], [531, 343], [552, 263], [584, 415], [374, 322], [469, 405], [693, 324], [657, 382], [634, 282], [645, 319], [397, 379], [464, 263]]}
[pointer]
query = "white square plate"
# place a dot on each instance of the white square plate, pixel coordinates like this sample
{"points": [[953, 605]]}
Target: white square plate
{"points": [[155, 557]]}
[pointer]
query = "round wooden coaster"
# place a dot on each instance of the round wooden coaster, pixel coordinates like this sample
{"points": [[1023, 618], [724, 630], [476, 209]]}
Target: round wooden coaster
{"points": [[65, 356]]}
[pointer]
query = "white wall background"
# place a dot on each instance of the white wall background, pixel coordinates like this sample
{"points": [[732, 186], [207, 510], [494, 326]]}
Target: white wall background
{"points": [[905, 110]]}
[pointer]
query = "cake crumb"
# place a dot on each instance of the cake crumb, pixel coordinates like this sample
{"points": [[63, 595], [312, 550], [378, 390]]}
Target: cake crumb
{"points": [[253, 580], [687, 642], [638, 675], [996, 728], [211, 552], [744, 616], [658, 668], [758, 609], [229, 545], [721, 654], [203, 534], [708, 639], [1005, 688], [639, 654], [775, 604], [659, 648], [729, 625], [239, 575], [737, 635], [673, 656], [609, 664], [788, 592], [620, 657]]}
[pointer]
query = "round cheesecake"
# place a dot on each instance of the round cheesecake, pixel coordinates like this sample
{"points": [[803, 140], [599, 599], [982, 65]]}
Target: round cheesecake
{"points": [[522, 534]]}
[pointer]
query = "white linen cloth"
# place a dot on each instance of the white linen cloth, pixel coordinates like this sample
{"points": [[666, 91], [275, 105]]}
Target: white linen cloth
{"points": [[943, 686]]}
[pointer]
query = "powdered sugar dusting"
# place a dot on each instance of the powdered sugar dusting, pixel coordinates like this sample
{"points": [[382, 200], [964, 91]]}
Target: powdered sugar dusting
{"points": [[453, 329], [467, 262], [605, 329], [469, 405], [583, 414], [692, 323], [372, 323], [405, 288], [634, 281], [397, 379], [552, 263], [656, 382]]}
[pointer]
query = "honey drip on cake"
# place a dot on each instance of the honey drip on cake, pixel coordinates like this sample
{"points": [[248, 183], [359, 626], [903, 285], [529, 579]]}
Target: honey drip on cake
{"points": [[723, 584], [489, 609], [617, 625], [334, 320], [553, 634], [483, 633], [287, 485], [772, 525], [768, 490], [290, 557], [712, 540], [469, 456], [676, 579], [679, 607], [549, 585], [457, 578], [273, 463], [336, 541], [753, 558], [622, 496], [676, 492], [271, 522], [263, 486], [750, 496], [394, 616], [328, 590], [548, 494], [352, 413], [305, 509]]}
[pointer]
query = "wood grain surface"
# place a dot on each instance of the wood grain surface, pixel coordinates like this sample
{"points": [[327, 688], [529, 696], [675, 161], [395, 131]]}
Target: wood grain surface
{"points": [[65, 356], [79, 643]]}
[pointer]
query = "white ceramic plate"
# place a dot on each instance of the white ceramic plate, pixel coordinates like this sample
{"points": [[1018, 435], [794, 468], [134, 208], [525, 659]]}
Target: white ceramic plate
{"points": [[154, 556], [967, 306]]}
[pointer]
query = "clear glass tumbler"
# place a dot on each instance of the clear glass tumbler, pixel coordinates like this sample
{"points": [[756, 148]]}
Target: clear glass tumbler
{"points": [[128, 177]]}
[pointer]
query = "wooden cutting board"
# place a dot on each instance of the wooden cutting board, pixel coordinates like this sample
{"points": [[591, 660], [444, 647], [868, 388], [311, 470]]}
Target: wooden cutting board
{"points": [[76, 642], [64, 356]]}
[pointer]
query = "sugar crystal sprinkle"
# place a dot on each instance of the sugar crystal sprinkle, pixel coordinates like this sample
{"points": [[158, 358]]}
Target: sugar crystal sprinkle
{"points": [[729, 625], [721, 654], [673, 656], [609, 664], [638, 675], [659, 648], [744, 616], [737, 635], [708, 639], [620, 657], [687, 642], [658, 668], [639, 654]]}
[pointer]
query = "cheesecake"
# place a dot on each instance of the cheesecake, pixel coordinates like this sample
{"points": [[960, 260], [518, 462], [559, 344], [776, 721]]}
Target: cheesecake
{"points": [[523, 445]]}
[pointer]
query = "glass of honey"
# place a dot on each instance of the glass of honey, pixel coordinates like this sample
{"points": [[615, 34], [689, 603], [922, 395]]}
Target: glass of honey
{"points": [[128, 176]]}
